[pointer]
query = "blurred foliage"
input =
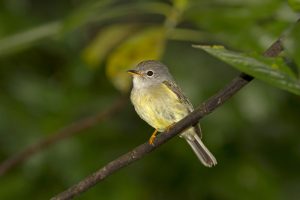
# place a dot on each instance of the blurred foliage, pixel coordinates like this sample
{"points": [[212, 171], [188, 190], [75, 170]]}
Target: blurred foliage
{"points": [[292, 45], [146, 45], [61, 60], [295, 4]]}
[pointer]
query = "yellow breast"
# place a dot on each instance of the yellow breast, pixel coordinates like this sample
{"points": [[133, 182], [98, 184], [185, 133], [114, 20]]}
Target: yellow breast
{"points": [[158, 106]]}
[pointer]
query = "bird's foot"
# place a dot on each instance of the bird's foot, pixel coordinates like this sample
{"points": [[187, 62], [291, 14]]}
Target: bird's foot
{"points": [[153, 136]]}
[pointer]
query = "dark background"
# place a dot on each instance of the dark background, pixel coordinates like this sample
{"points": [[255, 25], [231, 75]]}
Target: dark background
{"points": [[47, 82]]}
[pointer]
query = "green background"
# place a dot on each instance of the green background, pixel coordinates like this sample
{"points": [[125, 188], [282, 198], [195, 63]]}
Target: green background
{"points": [[45, 84]]}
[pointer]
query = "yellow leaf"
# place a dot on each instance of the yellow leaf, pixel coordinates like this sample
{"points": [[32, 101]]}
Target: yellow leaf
{"points": [[180, 4], [104, 42], [145, 45]]}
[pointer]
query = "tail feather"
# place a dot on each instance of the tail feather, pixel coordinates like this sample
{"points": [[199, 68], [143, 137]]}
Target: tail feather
{"points": [[199, 148]]}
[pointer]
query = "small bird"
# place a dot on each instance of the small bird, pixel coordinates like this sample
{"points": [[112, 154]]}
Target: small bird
{"points": [[160, 102]]}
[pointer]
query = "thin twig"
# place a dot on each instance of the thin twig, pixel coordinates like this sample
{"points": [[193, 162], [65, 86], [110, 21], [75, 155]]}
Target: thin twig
{"points": [[139, 152], [66, 132]]}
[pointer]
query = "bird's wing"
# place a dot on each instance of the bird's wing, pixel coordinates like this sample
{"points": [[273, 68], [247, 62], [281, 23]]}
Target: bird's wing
{"points": [[184, 100], [181, 97]]}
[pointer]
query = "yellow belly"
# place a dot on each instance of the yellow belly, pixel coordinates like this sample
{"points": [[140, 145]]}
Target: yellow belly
{"points": [[158, 106]]}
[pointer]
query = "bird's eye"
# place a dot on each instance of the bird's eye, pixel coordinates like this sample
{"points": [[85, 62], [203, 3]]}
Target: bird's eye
{"points": [[149, 73]]}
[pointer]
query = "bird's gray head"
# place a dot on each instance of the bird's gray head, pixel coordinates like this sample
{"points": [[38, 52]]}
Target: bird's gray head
{"points": [[149, 73]]}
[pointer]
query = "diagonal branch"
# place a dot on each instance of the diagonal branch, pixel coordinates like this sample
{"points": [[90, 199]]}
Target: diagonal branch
{"points": [[142, 150], [66, 132]]}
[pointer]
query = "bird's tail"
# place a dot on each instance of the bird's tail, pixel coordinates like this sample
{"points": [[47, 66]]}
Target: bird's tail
{"points": [[199, 148]]}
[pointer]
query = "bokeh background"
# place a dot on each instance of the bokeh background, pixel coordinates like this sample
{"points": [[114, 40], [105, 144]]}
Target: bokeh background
{"points": [[64, 60]]}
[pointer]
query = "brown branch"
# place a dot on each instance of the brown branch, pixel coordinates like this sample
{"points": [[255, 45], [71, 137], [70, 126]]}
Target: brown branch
{"points": [[139, 152], [66, 132]]}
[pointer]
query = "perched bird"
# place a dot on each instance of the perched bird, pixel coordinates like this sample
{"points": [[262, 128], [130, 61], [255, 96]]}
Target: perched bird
{"points": [[160, 102]]}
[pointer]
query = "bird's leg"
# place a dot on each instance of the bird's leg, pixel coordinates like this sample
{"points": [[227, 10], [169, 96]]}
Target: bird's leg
{"points": [[153, 136]]}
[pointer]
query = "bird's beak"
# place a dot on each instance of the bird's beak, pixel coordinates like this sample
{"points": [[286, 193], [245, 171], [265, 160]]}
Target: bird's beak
{"points": [[134, 72]]}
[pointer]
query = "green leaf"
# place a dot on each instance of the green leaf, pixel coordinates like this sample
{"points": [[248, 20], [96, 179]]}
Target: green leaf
{"points": [[295, 4], [271, 70]]}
